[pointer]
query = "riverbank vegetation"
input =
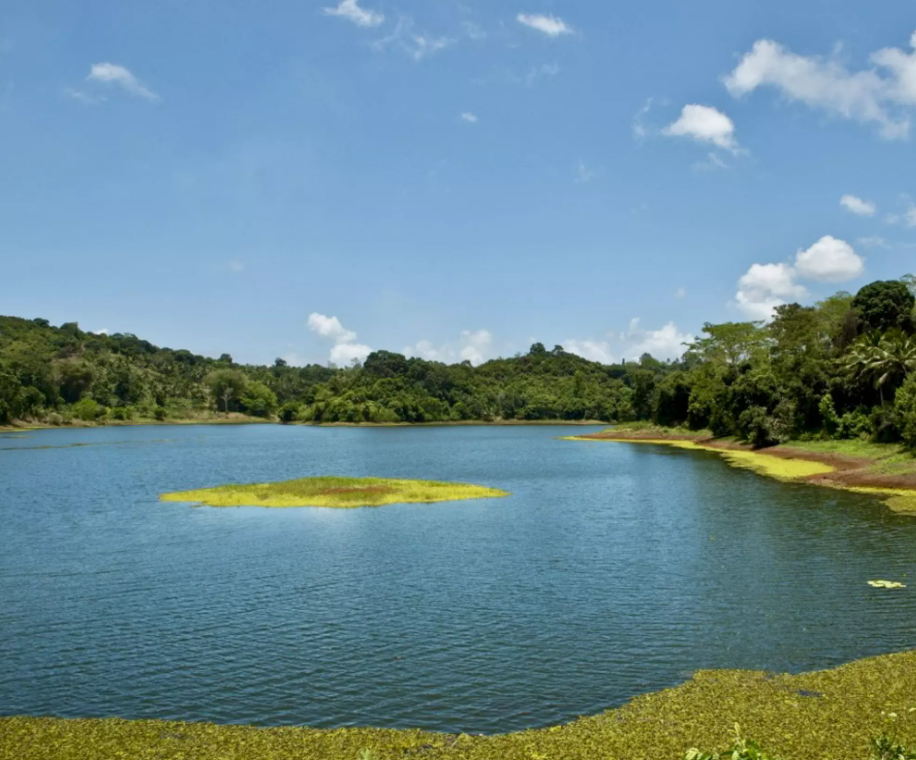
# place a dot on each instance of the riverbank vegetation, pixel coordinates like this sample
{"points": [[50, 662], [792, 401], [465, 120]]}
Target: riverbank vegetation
{"points": [[816, 716], [844, 369], [339, 493]]}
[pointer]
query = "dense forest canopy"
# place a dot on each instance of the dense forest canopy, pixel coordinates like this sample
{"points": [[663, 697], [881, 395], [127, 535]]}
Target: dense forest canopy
{"points": [[845, 368]]}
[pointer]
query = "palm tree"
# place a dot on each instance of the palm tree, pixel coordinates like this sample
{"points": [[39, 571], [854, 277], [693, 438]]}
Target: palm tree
{"points": [[886, 358]]}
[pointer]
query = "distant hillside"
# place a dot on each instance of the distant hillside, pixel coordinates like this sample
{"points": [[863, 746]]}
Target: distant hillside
{"points": [[845, 368]]}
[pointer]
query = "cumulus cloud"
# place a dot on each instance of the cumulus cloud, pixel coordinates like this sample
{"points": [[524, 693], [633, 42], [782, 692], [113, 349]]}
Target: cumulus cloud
{"points": [[665, 343], [766, 286], [110, 73], [877, 95], [593, 350], [350, 10], [407, 39], [345, 349], [470, 118], [706, 125], [474, 346], [857, 206], [549, 25], [829, 260]]}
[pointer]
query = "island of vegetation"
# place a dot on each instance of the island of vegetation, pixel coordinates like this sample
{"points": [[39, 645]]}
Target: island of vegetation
{"points": [[861, 711], [338, 493]]}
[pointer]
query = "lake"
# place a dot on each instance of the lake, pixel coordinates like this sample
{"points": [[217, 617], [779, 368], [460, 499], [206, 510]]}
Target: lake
{"points": [[612, 570]]}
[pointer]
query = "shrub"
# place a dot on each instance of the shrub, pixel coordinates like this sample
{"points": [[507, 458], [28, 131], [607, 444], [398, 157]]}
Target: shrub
{"points": [[87, 410], [121, 413], [905, 407], [160, 413], [854, 425], [885, 424], [291, 412]]}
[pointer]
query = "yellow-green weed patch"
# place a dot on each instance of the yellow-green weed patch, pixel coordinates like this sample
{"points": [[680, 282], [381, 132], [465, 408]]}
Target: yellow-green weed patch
{"points": [[781, 468], [815, 716], [339, 493], [899, 500]]}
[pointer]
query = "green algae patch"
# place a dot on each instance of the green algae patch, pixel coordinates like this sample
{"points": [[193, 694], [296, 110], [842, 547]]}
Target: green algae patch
{"points": [[338, 493], [826, 715], [899, 500]]}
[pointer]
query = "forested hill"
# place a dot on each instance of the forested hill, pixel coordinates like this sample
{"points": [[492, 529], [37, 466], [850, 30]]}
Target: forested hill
{"points": [[844, 368]]}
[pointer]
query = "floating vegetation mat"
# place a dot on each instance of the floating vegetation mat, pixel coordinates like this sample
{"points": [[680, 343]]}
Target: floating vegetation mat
{"points": [[339, 493], [830, 715]]}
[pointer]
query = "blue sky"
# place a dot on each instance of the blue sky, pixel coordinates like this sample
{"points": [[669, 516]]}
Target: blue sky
{"points": [[456, 179]]}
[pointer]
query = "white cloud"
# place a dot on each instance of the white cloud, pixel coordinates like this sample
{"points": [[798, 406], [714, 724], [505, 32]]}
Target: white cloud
{"points": [[103, 331], [470, 118], [704, 124], [829, 260], [664, 343], [713, 161], [84, 97], [475, 346], [593, 350], [549, 25], [345, 349], [879, 95], [110, 73], [350, 10], [405, 38], [330, 327], [858, 206], [344, 354], [906, 219], [640, 130], [766, 286], [875, 241]]}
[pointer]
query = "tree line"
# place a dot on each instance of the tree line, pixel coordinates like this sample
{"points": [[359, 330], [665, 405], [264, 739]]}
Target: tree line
{"points": [[844, 368]]}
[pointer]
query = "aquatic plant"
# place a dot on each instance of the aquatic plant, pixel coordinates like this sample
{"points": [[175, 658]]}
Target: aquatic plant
{"points": [[828, 715], [340, 493]]}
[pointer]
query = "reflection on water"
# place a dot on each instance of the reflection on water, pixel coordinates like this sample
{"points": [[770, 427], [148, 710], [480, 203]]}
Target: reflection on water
{"points": [[610, 571]]}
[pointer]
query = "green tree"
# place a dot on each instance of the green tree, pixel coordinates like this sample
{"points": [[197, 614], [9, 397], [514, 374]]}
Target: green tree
{"points": [[884, 306], [258, 400], [227, 385], [74, 378]]}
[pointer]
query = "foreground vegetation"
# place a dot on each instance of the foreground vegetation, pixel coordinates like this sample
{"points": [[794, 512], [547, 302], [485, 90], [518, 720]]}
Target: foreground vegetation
{"points": [[844, 369], [830, 715], [340, 493]]}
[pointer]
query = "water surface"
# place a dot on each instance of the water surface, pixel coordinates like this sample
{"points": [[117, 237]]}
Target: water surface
{"points": [[612, 570]]}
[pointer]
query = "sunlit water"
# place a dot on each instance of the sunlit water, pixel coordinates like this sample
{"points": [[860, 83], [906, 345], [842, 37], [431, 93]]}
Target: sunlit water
{"points": [[611, 570]]}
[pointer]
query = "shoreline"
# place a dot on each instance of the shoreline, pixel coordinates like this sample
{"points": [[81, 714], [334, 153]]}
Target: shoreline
{"points": [[27, 427], [791, 462], [791, 716]]}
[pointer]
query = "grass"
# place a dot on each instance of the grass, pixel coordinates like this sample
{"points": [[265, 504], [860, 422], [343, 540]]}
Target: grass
{"points": [[339, 493], [826, 715]]}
